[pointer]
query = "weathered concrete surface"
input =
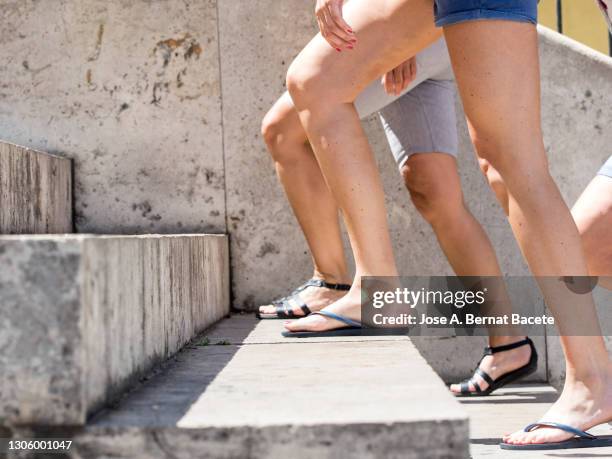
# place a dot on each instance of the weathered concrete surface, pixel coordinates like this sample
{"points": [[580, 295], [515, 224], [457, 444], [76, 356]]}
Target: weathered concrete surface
{"points": [[578, 114], [131, 92], [511, 409], [35, 192], [84, 316], [364, 398]]}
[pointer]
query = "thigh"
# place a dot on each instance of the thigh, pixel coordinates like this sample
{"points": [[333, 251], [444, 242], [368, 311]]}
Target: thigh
{"points": [[496, 66], [388, 33], [432, 63], [422, 121]]}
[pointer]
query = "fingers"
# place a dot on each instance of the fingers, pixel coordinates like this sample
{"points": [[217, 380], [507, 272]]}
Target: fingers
{"points": [[408, 73], [339, 26], [330, 37], [413, 68], [333, 27], [398, 77], [387, 82]]}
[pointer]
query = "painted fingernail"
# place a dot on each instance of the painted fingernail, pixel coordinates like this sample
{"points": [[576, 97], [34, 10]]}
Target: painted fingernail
{"points": [[350, 46], [339, 50], [350, 31], [354, 40]]}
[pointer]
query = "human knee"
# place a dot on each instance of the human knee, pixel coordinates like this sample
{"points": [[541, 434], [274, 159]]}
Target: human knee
{"points": [[302, 83], [281, 135], [496, 182], [511, 155], [311, 87], [431, 196]]}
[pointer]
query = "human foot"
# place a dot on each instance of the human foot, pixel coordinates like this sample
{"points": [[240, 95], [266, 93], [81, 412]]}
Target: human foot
{"points": [[497, 362], [582, 405], [348, 306], [313, 295]]}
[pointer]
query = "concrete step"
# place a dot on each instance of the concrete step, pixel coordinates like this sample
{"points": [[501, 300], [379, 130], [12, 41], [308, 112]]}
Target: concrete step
{"points": [[83, 317], [243, 391], [35, 191]]}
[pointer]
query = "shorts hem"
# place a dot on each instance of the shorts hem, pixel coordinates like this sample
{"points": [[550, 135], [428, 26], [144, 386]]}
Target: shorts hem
{"points": [[405, 156], [483, 14]]}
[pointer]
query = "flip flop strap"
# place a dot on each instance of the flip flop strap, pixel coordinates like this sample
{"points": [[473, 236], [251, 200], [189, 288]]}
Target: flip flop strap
{"points": [[564, 427], [339, 318]]}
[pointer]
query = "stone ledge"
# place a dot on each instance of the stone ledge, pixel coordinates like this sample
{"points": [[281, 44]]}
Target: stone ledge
{"points": [[35, 191], [243, 391], [85, 316]]}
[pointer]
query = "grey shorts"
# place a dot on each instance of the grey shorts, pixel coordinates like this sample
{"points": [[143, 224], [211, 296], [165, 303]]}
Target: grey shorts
{"points": [[606, 168], [422, 119]]}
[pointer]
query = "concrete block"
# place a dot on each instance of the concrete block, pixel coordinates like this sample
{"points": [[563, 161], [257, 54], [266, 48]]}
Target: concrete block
{"points": [[85, 316], [131, 92], [35, 191], [246, 398], [576, 84]]}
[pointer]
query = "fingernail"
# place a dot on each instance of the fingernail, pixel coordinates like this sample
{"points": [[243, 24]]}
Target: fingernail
{"points": [[350, 47], [350, 30], [339, 50], [354, 40]]}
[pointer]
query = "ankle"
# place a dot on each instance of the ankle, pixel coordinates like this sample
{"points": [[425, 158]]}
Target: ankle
{"points": [[336, 277], [594, 379]]}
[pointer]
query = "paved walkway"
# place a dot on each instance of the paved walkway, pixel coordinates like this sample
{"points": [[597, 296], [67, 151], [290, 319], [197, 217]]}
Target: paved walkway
{"points": [[511, 409]]}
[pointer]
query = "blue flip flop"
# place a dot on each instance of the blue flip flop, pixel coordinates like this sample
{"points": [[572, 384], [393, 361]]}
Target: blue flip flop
{"points": [[351, 328], [581, 439]]}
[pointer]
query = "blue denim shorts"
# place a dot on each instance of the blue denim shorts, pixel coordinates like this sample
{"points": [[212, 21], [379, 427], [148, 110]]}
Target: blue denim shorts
{"points": [[449, 12]]}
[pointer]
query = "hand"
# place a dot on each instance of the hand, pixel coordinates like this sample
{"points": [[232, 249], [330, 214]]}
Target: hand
{"points": [[398, 79], [332, 25]]}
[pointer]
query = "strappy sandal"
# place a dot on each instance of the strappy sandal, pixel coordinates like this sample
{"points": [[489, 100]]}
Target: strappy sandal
{"points": [[581, 439], [507, 378], [284, 307], [351, 328]]}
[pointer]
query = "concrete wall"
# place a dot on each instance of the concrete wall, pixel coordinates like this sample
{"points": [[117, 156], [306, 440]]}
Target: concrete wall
{"points": [[35, 192], [130, 90], [160, 104], [83, 316]]}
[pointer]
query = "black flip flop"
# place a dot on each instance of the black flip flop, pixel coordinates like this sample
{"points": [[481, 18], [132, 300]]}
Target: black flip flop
{"points": [[284, 308], [507, 378], [352, 328], [581, 439]]}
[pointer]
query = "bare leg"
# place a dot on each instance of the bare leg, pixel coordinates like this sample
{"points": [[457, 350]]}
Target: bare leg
{"points": [[435, 187], [323, 85], [503, 114], [310, 199], [593, 215]]}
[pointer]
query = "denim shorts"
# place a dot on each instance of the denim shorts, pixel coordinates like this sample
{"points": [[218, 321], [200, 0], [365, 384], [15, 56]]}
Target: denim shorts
{"points": [[607, 168], [449, 12]]}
